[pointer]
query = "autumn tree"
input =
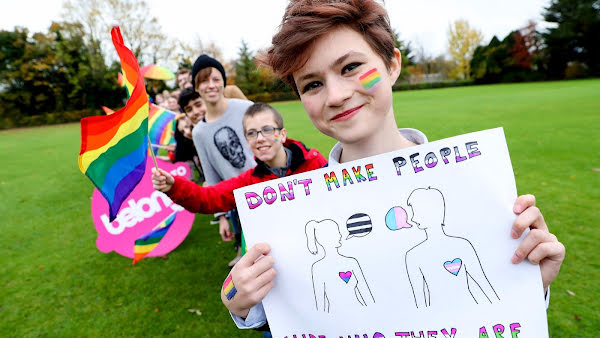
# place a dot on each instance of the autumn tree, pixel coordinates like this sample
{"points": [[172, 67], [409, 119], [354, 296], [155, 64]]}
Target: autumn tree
{"points": [[462, 41], [514, 59]]}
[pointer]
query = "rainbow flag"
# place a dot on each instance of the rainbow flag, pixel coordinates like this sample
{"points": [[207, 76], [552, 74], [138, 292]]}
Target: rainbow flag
{"points": [[114, 147], [123, 82], [145, 244], [161, 126]]}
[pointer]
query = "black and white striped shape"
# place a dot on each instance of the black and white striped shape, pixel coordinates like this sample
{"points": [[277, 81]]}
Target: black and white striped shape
{"points": [[359, 225]]}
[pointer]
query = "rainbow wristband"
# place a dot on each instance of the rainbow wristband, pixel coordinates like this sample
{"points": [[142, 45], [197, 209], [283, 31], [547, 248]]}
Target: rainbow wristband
{"points": [[228, 288]]}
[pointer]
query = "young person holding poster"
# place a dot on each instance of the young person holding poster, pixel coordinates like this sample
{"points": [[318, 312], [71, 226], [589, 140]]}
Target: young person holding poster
{"points": [[339, 57]]}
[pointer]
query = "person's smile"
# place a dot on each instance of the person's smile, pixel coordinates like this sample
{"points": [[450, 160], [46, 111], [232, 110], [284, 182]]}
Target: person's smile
{"points": [[346, 114]]}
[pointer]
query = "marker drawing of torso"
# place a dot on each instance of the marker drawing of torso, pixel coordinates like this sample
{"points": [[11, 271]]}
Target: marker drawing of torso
{"points": [[443, 269], [337, 279]]}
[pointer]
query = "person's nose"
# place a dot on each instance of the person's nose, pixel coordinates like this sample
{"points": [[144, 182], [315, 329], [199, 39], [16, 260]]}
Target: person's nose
{"points": [[260, 137], [338, 91]]}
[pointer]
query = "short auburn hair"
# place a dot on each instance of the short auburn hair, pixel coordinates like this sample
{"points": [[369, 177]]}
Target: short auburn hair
{"points": [[305, 21]]}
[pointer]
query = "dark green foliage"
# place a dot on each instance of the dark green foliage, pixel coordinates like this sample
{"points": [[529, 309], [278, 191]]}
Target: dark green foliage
{"points": [[432, 85], [575, 41], [514, 59], [246, 74], [407, 55], [259, 84], [51, 74]]}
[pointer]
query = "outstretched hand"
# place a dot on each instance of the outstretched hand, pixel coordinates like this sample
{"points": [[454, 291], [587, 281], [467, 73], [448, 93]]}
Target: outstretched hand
{"points": [[539, 246], [253, 279], [162, 180]]}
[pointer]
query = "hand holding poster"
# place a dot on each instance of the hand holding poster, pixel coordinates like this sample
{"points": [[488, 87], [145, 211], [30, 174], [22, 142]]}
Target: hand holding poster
{"points": [[415, 242]]}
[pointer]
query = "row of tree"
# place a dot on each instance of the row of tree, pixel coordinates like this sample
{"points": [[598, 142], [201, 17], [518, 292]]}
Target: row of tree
{"points": [[70, 71], [569, 48], [52, 73]]}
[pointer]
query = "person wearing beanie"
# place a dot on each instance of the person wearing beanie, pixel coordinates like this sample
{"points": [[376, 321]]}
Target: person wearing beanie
{"points": [[219, 137]]}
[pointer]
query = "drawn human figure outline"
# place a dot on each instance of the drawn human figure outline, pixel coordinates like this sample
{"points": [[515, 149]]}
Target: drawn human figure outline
{"points": [[451, 267], [334, 276]]}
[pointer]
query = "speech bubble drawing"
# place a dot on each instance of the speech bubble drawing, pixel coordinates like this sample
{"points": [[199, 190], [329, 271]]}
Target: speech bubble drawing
{"points": [[359, 225], [396, 219]]}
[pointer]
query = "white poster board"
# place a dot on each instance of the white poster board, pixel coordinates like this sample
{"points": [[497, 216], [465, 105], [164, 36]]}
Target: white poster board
{"points": [[360, 249]]}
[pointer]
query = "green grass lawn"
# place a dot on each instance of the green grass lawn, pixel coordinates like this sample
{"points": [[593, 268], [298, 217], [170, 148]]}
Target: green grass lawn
{"points": [[54, 282]]}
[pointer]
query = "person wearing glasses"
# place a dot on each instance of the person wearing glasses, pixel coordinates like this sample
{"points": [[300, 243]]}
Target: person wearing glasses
{"points": [[276, 156]]}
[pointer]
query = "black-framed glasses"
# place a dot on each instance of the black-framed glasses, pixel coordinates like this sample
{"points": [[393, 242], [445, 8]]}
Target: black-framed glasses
{"points": [[265, 131]]}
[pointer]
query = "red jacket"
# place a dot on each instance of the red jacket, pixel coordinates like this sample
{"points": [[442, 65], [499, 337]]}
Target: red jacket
{"points": [[219, 197]]}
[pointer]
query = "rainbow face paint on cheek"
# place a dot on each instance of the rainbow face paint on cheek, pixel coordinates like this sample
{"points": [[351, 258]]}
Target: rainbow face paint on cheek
{"points": [[370, 78], [276, 138]]}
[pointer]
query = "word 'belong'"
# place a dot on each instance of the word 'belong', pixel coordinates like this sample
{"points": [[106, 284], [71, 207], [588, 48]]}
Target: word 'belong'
{"points": [[432, 159]]}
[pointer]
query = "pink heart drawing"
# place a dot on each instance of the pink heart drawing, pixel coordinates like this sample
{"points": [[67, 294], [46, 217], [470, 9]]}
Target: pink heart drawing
{"points": [[453, 266], [345, 276]]}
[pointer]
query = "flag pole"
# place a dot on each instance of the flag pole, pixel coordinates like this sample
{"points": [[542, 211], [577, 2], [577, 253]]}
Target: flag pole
{"points": [[152, 153]]}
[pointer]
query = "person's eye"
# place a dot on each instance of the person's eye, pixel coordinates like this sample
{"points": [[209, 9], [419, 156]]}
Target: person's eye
{"points": [[350, 67], [268, 129], [311, 85], [251, 133]]}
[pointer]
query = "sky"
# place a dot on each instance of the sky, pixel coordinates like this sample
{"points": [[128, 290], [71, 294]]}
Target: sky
{"points": [[226, 22]]}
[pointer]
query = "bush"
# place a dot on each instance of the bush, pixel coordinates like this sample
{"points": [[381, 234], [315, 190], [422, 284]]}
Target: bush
{"points": [[576, 70], [45, 119], [431, 85], [272, 97]]}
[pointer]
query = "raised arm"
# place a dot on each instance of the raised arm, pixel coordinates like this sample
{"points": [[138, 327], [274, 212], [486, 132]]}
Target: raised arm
{"points": [[194, 198]]}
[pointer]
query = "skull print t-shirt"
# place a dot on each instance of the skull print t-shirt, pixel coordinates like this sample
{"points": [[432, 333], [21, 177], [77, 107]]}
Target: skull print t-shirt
{"points": [[221, 144]]}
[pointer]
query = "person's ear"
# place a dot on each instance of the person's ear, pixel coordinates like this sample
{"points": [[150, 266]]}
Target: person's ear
{"points": [[395, 66], [283, 134]]}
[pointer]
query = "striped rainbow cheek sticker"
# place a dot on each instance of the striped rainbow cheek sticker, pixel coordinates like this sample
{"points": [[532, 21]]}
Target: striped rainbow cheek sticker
{"points": [[370, 78], [276, 138], [228, 288]]}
